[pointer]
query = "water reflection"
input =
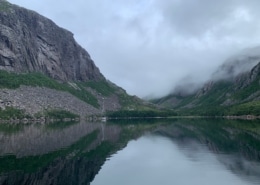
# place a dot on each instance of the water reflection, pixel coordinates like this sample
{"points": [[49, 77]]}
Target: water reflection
{"points": [[54, 154], [189, 152], [157, 160], [131, 152]]}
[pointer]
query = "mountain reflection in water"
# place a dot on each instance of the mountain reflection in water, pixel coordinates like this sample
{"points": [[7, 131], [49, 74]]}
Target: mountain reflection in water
{"points": [[131, 152]]}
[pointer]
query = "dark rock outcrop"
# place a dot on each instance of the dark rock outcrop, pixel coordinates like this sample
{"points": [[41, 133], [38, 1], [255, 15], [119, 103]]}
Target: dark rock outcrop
{"points": [[30, 42]]}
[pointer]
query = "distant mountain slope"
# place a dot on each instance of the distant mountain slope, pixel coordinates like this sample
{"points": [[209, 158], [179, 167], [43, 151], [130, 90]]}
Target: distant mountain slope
{"points": [[236, 91]]}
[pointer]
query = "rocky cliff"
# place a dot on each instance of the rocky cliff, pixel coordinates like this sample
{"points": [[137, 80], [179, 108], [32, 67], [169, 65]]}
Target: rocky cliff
{"points": [[30, 42], [48, 70]]}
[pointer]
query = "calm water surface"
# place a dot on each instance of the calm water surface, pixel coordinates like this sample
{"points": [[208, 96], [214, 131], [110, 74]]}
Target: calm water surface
{"points": [[154, 160], [144, 152]]}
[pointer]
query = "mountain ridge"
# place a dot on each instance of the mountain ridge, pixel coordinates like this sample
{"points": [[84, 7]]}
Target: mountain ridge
{"points": [[232, 94]]}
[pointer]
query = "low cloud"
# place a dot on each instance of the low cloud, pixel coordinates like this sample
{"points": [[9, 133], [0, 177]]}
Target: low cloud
{"points": [[151, 47]]}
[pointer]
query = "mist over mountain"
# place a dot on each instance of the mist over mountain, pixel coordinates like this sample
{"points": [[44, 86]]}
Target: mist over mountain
{"points": [[234, 88], [243, 61], [240, 63]]}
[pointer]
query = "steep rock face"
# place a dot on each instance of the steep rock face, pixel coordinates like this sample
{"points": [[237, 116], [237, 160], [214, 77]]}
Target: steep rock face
{"points": [[30, 42]]}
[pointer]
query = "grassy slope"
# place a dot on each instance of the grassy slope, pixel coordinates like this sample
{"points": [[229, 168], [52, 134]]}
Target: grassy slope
{"points": [[103, 88], [210, 103], [13, 81]]}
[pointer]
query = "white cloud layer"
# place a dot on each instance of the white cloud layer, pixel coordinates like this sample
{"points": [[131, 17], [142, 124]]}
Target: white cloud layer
{"points": [[149, 47]]}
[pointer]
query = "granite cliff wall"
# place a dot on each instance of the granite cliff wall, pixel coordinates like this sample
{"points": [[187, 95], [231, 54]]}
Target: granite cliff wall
{"points": [[30, 42]]}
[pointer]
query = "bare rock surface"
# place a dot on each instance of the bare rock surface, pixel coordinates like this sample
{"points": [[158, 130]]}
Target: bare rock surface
{"points": [[30, 42], [38, 99]]}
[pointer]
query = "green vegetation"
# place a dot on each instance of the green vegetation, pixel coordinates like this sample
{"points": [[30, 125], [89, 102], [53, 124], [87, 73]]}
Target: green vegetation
{"points": [[13, 81], [60, 114], [128, 101], [11, 112], [186, 100], [216, 95], [140, 114], [210, 104], [107, 89], [247, 91], [206, 105], [226, 97], [101, 87], [212, 98], [250, 108], [84, 95], [80, 90]]}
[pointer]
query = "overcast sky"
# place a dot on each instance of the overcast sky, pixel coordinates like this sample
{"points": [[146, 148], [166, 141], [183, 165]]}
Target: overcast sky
{"points": [[149, 47]]}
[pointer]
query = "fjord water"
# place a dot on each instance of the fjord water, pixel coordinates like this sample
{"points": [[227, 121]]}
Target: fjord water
{"points": [[132, 152], [154, 160]]}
